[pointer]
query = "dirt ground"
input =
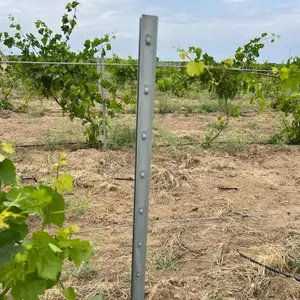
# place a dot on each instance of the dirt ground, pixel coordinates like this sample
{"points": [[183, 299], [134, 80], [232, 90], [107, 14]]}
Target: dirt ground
{"points": [[198, 206]]}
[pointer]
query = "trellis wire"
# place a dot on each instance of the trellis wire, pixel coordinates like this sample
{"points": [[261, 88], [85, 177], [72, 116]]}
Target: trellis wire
{"points": [[126, 64], [202, 220]]}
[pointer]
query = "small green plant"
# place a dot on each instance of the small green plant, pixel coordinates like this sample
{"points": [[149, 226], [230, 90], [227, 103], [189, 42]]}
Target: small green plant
{"points": [[277, 138], [31, 262], [167, 262], [121, 135], [210, 106], [37, 109], [81, 206], [167, 105], [168, 137]]}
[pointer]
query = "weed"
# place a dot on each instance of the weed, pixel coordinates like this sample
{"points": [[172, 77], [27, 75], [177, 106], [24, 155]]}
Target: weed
{"points": [[235, 145], [37, 109], [210, 106], [87, 270], [168, 137], [6, 105], [167, 262], [277, 138], [121, 135], [166, 105], [60, 137], [81, 206], [131, 109]]}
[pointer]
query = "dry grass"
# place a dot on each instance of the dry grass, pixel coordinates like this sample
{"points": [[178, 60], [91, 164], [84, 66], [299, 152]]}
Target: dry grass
{"points": [[191, 259]]}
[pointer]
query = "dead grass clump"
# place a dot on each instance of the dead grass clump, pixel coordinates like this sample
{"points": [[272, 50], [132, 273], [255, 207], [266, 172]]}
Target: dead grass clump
{"points": [[185, 160], [171, 288], [163, 178], [273, 256]]}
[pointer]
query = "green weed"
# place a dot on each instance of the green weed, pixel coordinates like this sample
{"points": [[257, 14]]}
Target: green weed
{"points": [[167, 262], [166, 105], [121, 135]]}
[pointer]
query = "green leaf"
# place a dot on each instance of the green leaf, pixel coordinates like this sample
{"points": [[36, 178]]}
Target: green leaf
{"points": [[16, 232], [8, 174], [7, 148], [55, 248], [2, 158], [284, 73], [78, 251], [2, 197], [21, 257], [63, 234], [64, 183], [195, 68], [183, 55], [275, 70], [30, 288], [74, 4], [30, 199], [54, 213], [7, 252], [42, 258], [69, 293], [49, 266]]}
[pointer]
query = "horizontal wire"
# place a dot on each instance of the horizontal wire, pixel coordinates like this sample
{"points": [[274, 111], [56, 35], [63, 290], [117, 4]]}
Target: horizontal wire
{"points": [[154, 145], [204, 219], [122, 65]]}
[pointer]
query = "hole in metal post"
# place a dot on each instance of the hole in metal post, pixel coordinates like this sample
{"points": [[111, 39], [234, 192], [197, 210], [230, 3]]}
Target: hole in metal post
{"points": [[148, 40], [141, 211], [146, 89]]}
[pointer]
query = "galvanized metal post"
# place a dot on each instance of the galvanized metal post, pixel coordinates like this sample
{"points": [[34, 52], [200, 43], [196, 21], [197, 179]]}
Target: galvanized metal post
{"points": [[101, 91], [144, 122]]}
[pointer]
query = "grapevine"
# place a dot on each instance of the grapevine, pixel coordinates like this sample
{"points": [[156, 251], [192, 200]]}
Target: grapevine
{"points": [[226, 84], [7, 84], [74, 87], [31, 262]]}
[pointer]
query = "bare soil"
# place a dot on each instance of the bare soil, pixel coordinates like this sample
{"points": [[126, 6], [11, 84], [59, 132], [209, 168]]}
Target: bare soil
{"points": [[198, 207]]}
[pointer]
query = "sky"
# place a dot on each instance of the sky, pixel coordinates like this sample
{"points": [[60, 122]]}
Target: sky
{"points": [[216, 26]]}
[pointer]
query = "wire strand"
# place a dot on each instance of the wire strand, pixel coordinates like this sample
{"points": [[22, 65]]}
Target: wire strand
{"points": [[114, 146], [125, 64], [203, 219]]}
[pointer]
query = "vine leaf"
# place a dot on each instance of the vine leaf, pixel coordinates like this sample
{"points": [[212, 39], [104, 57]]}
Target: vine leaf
{"points": [[69, 293], [30, 288], [183, 55], [64, 183], [78, 250], [54, 248], [195, 68], [16, 232], [284, 73], [54, 213], [7, 172], [7, 252], [42, 258], [7, 148]]}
